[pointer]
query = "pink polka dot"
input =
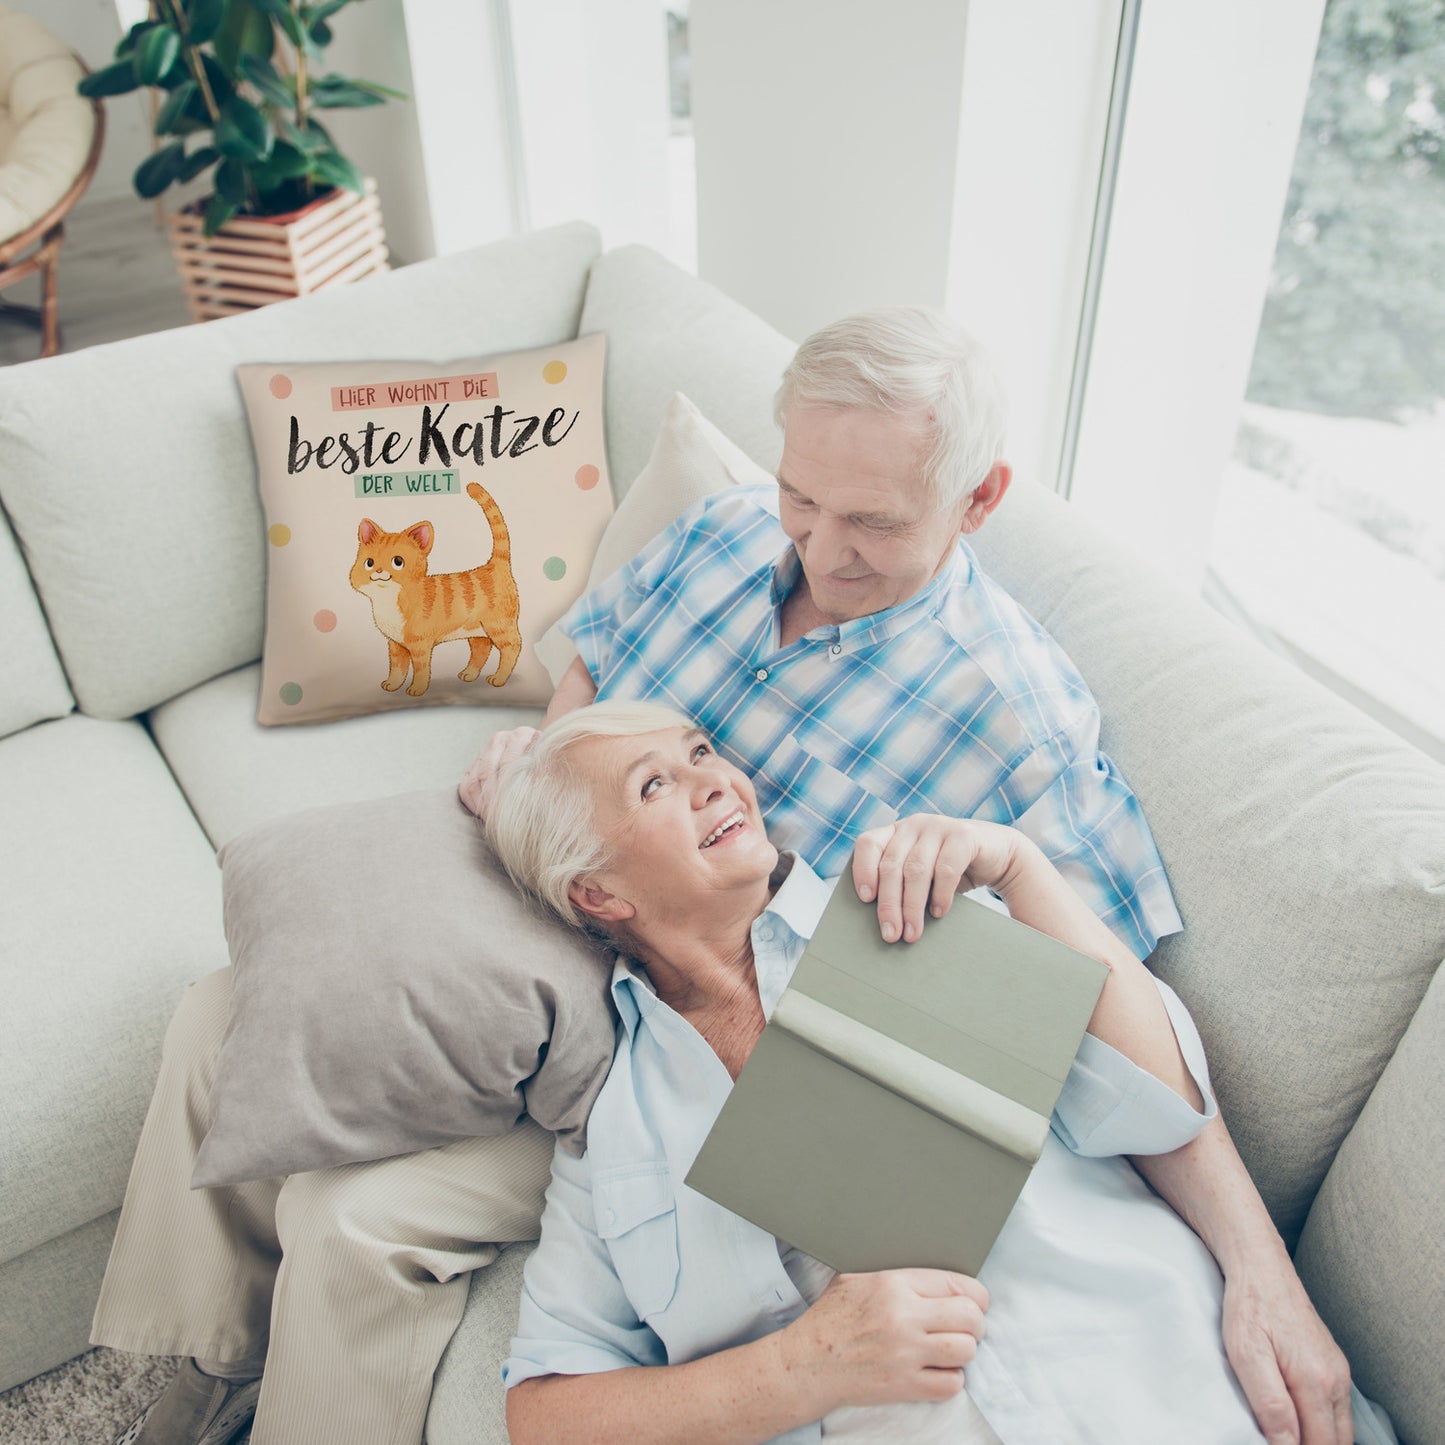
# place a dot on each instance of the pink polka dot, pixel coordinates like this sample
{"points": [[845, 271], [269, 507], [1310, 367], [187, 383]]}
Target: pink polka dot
{"points": [[280, 386], [588, 477], [325, 621]]}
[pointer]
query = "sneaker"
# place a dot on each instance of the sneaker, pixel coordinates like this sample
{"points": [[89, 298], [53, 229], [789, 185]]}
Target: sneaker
{"points": [[195, 1409]]}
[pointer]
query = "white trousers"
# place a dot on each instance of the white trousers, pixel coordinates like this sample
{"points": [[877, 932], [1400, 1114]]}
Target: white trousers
{"points": [[350, 1281]]}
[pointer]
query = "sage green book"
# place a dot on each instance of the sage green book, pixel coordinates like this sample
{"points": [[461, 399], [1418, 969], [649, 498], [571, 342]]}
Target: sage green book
{"points": [[900, 1094]]}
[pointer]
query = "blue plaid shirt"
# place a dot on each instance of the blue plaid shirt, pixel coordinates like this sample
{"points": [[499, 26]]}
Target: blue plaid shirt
{"points": [[954, 702]]}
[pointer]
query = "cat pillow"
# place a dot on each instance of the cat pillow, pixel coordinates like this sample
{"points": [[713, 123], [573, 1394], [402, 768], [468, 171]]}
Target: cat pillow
{"points": [[425, 525]]}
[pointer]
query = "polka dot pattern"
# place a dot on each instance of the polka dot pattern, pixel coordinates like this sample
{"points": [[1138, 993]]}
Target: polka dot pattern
{"points": [[279, 535], [280, 385], [588, 477], [325, 620], [291, 693], [554, 371], [554, 569]]}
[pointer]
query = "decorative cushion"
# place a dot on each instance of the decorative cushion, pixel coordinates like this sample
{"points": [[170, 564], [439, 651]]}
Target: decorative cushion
{"points": [[393, 993], [691, 459], [427, 524], [36, 688]]}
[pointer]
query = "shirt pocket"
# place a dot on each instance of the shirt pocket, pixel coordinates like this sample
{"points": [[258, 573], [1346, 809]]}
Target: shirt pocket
{"points": [[636, 1211], [817, 809]]}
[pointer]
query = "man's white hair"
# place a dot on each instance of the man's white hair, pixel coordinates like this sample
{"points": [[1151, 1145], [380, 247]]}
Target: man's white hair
{"points": [[542, 820], [908, 360]]}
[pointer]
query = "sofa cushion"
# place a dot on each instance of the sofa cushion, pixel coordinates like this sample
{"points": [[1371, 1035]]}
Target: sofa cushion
{"points": [[35, 687], [1301, 840], [237, 774], [392, 993], [669, 332], [110, 906], [476, 534], [161, 587], [1372, 1254]]}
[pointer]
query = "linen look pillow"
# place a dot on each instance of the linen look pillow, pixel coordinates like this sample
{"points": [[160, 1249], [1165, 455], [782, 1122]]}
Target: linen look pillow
{"points": [[392, 992], [691, 459], [426, 524]]}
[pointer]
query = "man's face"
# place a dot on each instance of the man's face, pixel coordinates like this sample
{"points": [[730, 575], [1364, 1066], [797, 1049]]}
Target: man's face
{"points": [[852, 499]]}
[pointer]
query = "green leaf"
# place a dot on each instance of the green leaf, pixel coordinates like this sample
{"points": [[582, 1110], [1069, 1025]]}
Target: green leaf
{"points": [[287, 163], [378, 89], [131, 38], [157, 171], [222, 85], [218, 212], [117, 79], [244, 31], [173, 111], [231, 182], [197, 161], [319, 33], [157, 52], [324, 11], [285, 17], [333, 168], [312, 140], [278, 89], [242, 132], [333, 92], [203, 19]]}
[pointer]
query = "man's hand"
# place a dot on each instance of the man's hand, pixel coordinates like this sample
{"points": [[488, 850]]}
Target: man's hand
{"points": [[475, 788], [1295, 1377]]}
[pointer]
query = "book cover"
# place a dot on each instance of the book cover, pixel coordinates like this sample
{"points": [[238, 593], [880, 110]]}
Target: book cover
{"points": [[895, 1103]]}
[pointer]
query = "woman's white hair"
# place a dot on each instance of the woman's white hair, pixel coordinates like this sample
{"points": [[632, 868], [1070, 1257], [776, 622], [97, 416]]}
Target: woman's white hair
{"points": [[908, 360], [542, 820]]}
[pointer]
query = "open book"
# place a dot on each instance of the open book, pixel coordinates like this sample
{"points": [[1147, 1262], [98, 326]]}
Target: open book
{"points": [[900, 1094]]}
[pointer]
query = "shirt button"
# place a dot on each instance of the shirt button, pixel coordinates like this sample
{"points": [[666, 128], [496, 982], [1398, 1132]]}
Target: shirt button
{"points": [[836, 648], [765, 933], [761, 674]]}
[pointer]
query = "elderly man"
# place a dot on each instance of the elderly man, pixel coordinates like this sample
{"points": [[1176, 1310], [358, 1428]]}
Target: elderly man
{"points": [[838, 640]]}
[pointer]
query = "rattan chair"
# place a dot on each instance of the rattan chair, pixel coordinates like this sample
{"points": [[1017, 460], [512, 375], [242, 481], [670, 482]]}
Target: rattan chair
{"points": [[50, 139]]}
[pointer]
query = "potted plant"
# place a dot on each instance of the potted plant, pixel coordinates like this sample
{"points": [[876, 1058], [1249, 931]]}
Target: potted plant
{"points": [[240, 84]]}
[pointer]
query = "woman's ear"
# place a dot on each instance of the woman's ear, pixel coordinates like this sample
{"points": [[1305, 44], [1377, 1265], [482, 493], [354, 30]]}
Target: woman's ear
{"points": [[596, 902]]}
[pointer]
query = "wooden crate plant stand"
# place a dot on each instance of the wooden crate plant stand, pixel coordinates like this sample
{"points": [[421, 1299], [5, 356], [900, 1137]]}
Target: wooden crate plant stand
{"points": [[255, 260]]}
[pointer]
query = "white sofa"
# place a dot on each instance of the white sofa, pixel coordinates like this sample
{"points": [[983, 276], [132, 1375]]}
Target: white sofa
{"points": [[1306, 846]]}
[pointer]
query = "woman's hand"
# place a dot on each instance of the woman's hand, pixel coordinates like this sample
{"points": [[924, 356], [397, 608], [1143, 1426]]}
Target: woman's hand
{"points": [[477, 784], [918, 864], [897, 1335]]}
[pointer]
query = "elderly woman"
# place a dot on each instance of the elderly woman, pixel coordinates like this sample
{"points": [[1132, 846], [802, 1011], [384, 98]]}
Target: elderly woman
{"points": [[653, 1314]]}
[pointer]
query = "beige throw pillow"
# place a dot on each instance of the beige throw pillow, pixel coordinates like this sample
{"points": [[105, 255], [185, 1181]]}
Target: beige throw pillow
{"points": [[426, 525]]}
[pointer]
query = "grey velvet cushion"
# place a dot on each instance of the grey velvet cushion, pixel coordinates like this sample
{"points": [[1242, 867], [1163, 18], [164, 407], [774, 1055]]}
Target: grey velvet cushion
{"points": [[1302, 842], [129, 477], [393, 993]]}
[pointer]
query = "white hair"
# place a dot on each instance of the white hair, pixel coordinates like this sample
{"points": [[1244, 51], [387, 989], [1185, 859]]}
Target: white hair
{"points": [[908, 360], [542, 820]]}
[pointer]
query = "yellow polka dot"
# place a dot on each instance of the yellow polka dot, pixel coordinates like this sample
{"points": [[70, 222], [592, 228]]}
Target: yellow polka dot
{"points": [[554, 371], [280, 534]]}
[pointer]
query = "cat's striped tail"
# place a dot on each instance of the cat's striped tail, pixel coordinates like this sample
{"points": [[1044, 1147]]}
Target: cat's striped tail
{"points": [[501, 538]]}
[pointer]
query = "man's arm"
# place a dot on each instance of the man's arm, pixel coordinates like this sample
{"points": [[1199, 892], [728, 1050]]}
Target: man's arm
{"points": [[1295, 1377]]}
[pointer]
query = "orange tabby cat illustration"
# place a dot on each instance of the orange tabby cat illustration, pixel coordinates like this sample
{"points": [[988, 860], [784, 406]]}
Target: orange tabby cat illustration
{"points": [[414, 611]]}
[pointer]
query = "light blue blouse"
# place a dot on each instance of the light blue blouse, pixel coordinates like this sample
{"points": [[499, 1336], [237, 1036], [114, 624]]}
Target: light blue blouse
{"points": [[1105, 1316]]}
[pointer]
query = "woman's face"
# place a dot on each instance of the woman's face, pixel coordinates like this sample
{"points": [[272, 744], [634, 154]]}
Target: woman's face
{"points": [[681, 823]]}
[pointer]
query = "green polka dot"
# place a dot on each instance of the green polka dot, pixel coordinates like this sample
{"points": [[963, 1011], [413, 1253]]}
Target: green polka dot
{"points": [[554, 569], [291, 693]]}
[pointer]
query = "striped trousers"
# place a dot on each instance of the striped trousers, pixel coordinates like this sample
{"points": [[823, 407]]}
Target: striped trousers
{"points": [[348, 1281]]}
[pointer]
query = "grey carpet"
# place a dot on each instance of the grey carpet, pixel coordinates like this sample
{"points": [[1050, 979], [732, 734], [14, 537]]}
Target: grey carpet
{"points": [[86, 1402]]}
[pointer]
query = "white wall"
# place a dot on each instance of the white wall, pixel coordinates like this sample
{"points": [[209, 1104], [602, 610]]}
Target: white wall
{"points": [[827, 146]]}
